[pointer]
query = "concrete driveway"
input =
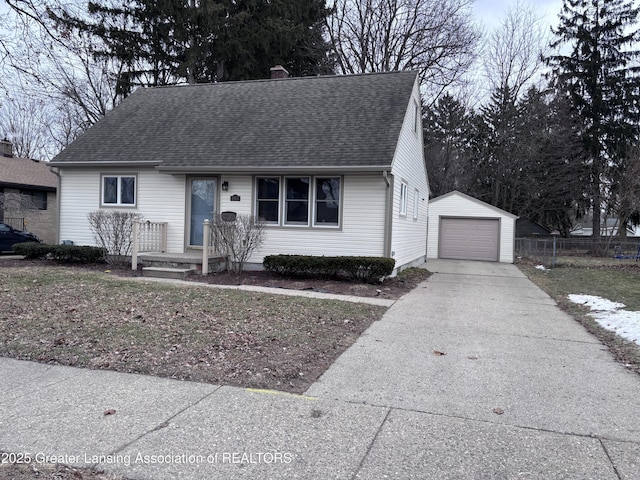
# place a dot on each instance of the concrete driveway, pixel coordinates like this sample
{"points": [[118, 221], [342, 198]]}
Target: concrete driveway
{"points": [[496, 381]]}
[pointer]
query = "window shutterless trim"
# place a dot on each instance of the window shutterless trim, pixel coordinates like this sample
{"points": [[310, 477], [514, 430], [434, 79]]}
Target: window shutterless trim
{"points": [[287, 201], [118, 203], [404, 193], [277, 200], [312, 202], [326, 201]]}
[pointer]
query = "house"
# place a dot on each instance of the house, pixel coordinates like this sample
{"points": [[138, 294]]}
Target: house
{"points": [[28, 194], [465, 228], [333, 164], [526, 227], [608, 228]]}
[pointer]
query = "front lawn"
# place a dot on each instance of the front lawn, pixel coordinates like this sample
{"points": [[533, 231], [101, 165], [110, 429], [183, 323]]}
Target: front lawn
{"points": [[71, 316]]}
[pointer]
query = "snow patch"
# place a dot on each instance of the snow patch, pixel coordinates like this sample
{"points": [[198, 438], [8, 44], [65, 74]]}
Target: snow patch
{"points": [[610, 316], [540, 267]]}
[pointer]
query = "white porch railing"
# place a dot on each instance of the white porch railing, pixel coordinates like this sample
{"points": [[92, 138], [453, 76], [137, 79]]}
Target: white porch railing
{"points": [[209, 245], [147, 237]]}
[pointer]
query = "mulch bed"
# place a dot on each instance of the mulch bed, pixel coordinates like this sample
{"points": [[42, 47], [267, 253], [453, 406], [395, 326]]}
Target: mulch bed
{"points": [[390, 288]]}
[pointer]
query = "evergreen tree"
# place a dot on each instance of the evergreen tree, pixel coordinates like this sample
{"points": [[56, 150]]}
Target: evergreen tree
{"points": [[170, 41], [446, 129], [552, 159], [497, 161], [601, 77]]}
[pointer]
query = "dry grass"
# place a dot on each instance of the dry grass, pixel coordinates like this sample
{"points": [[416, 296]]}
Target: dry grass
{"points": [[615, 280], [87, 319], [81, 318]]}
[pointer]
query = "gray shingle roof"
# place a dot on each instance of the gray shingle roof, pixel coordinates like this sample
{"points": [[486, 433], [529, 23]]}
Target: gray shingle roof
{"points": [[342, 121]]}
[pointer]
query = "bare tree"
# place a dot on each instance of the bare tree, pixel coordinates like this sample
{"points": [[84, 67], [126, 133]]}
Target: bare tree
{"points": [[514, 50], [23, 120], [624, 203], [436, 37], [113, 230], [239, 238], [17, 204], [56, 67]]}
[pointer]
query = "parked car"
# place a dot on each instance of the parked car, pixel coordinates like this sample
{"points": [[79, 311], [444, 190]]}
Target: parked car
{"points": [[9, 236]]}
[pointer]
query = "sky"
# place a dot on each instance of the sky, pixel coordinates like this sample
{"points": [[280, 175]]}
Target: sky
{"points": [[490, 12]]}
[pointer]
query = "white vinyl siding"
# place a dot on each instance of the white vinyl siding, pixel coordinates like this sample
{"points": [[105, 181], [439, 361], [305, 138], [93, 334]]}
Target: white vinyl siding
{"points": [[161, 198], [458, 205], [239, 197], [361, 232], [409, 231]]}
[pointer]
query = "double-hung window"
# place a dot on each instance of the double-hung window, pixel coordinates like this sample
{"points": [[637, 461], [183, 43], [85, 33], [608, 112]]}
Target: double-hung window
{"points": [[268, 199], [119, 190], [297, 201], [327, 201]]}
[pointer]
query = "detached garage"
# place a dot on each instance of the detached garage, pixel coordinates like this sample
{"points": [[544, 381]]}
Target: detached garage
{"points": [[464, 228]]}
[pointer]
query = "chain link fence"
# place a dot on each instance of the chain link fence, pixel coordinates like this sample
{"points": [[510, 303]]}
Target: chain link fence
{"points": [[547, 250]]}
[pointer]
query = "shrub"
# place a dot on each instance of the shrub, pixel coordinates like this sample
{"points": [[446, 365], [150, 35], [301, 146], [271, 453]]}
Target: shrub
{"points": [[238, 238], [61, 253], [363, 269], [113, 230], [32, 250], [77, 253]]}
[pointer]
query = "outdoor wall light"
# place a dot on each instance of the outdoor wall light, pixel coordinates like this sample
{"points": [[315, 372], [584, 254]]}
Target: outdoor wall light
{"points": [[225, 186]]}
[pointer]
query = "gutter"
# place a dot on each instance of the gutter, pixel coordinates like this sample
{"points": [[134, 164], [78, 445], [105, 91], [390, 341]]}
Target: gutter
{"points": [[56, 172], [120, 164], [277, 169], [388, 222]]}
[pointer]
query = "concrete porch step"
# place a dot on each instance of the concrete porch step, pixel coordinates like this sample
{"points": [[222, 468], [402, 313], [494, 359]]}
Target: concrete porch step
{"points": [[166, 272]]}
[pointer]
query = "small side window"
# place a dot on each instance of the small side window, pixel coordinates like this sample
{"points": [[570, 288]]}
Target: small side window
{"points": [[416, 204], [403, 199]]}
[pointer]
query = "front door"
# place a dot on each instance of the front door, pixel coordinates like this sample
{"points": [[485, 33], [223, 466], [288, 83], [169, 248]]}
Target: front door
{"points": [[202, 206]]}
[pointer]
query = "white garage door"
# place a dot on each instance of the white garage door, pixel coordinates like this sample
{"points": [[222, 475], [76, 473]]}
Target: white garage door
{"points": [[469, 238]]}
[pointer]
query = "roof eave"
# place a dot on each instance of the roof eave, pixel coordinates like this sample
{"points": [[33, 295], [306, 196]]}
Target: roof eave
{"points": [[28, 186], [276, 169], [105, 163]]}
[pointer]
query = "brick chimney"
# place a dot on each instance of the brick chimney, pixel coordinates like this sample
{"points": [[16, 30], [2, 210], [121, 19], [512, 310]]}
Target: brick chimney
{"points": [[6, 148], [279, 72]]}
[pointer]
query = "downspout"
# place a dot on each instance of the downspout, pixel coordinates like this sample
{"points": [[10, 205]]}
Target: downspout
{"points": [[388, 214], [56, 172]]}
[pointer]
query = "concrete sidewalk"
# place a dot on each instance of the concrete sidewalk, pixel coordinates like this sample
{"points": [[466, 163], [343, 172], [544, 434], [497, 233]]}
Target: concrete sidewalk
{"points": [[388, 408]]}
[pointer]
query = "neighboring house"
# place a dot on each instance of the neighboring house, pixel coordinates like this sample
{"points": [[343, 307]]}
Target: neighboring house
{"points": [[528, 228], [28, 191], [608, 228], [465, 228], [333, 164]]}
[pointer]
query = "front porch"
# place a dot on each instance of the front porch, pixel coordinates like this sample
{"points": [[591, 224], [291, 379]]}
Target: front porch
{"points": [[179, 265], [149, 250]]}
